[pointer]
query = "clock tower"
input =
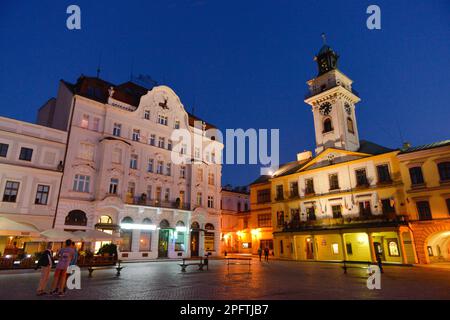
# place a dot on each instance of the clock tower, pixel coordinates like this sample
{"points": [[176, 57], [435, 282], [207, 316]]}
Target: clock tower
{"points": [[333, 104]]}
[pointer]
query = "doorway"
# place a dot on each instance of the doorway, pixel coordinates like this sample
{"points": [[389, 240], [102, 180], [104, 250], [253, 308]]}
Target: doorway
{"points": [[195, 243], [163, 243], [309, 248], [379, 250]]}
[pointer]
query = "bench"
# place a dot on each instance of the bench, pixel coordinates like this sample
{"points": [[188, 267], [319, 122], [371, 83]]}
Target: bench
{"points": [[200, 262], [118, 268]]}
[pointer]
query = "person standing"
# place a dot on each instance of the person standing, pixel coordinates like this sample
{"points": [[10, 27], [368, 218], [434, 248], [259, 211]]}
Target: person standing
{"points": [[65, 256], [73, 262], [266, 254], [260, 253], [45, 262]]}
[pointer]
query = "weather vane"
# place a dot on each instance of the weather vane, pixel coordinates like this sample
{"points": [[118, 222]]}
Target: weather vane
{"points": [[324, 38]]}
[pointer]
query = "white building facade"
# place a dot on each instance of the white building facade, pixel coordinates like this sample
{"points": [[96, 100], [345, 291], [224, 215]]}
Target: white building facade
{"points": [[122, 173], [30, 174]]}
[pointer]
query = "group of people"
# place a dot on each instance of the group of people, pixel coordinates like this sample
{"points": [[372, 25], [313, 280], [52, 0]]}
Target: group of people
{"points": [[66, 257], [266, 253]]}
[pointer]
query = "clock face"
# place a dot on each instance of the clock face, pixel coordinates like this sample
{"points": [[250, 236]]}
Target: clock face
{"points": [[348, 108], [325, 108]]}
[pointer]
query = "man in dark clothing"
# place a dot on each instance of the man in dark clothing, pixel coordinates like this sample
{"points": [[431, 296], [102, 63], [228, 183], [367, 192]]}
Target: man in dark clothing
{"points": [[266, 254]]}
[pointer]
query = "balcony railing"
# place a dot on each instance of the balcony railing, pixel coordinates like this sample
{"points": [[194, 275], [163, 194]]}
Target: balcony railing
{"points": [[158, 203], [343, 222], [334, 85]]}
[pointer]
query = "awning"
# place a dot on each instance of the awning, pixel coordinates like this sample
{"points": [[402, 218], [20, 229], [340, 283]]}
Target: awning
{"points": [[55, 235], [12, 228], [95, 235]]}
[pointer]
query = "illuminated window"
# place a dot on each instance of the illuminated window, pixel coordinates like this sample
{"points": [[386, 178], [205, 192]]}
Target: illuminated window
{"points": [[393, 248], [145, 238], [147, 115], [335, 248], [85, 121]]}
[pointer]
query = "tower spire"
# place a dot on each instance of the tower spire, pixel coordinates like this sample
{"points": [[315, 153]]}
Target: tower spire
{"points": [[324, 38]]}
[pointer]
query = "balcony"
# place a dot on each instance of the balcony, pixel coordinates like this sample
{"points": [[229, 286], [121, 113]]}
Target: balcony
{"points": [[331, 86], [143, 201], [345, 222]]}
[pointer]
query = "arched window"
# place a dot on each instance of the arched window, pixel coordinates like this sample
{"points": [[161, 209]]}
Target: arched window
{"points": [[76, 218], [164, 224], [350, 127], [209, 237], [327, 125], [195, 225], [145, 239], [126, 235], [444, 170], [104, 219], [180, 223]]}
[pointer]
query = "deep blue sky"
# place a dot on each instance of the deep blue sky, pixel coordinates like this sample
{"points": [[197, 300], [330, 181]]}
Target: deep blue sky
{"points": [[244, 63]]}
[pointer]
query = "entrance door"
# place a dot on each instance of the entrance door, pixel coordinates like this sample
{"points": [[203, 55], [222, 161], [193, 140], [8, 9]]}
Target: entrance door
{"points": [[194, 243], [163, 243], [309, 248], [379, 250]]}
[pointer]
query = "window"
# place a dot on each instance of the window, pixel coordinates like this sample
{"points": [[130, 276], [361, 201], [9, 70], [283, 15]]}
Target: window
{"points": [[169, 144], [162, 120], [179, 241], [85, 121], [393, 248], [310, 214], [383, 173], [350, 127], [387, 206], [160, 167], [337, 211], [126, 236], [81, 183], [199, 199], [136, 134], [266, 244], [211, 178], [26, 154], [213, 157], [327, 125], [161, 142], [76, 218], [444, 171], [423, 209], [3, 150], [280, 218], [150, 165], [264, 220], [334, 182], [416, 175], [335, 248], [280, 195], [295, 216], [11, 191], [147, 114], [117, 129], [263, 196], [42, 194], [361, 178], [364, 209], [145, 238], [134, 161], [447, 201], [210, 202], [182, 172], [169, 169], [113, 185], [200, 174], [293, 189], [349, 248], [96, 124], [131, 188], [167, 194], [183, 149], [197, 153], [177, 124], [152, 140], [209, 237], [309, 186]]}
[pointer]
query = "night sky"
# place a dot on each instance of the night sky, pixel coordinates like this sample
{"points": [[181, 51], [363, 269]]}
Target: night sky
{"points": [[243, 63]]}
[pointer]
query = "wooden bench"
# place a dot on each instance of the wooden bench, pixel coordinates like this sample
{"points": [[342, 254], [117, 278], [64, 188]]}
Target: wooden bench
{"points": [[118, 268], [200, 262]]}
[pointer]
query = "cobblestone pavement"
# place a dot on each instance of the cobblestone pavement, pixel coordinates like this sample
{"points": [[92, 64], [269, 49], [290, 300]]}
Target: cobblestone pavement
{"points": [[274, 280]]}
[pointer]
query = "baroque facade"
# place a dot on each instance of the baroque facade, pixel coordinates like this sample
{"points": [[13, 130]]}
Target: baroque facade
{"points": [[125, 172]]}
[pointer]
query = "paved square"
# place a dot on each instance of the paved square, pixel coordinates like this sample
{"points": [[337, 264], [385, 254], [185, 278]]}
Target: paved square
{"points": [[273, 280]]}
